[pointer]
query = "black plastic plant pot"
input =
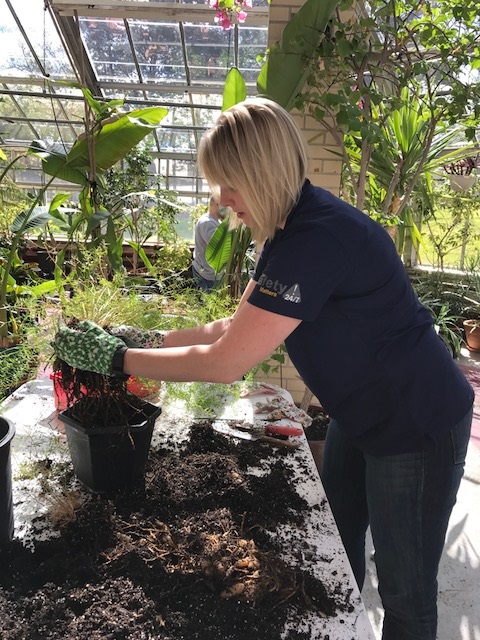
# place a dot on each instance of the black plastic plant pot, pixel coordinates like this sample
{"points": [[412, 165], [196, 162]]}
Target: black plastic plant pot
{"points": [[107, 458], [7, 431]]}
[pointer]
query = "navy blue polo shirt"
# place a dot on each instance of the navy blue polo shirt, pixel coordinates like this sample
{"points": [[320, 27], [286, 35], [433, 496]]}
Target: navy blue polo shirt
{"points": [[365, 347]]}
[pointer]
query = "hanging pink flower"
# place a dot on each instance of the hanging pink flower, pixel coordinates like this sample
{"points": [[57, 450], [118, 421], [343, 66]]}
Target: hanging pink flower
{"points": [[230, 11]]}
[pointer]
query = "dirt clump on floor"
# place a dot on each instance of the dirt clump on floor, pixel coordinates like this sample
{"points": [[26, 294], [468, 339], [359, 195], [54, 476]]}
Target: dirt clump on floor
{"points": [[188, 553]]}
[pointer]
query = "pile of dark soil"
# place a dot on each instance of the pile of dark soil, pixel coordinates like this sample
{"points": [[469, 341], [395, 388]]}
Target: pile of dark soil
{"points": [[186, 554], [320, 419]]}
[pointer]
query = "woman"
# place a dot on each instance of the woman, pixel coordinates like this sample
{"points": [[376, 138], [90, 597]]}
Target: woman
{"points": [[330, 284]]}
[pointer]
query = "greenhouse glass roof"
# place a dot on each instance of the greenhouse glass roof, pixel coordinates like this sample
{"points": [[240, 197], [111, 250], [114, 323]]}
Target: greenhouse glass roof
{"points": [[149, 52]]}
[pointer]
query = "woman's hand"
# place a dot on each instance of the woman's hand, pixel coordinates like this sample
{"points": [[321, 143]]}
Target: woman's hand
{"points": [[89, 347], [139, 338]]}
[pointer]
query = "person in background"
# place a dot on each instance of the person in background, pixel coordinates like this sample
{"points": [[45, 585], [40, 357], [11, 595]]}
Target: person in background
{"points": [[203, 274], [330, 285]]}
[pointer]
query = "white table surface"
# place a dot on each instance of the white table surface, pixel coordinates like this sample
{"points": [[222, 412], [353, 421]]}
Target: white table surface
{"points": [[316, 547]]}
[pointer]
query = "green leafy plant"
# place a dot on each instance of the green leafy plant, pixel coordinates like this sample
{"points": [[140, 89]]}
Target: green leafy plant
{"points": [[34, 216], [285, 71], [18, 364], [109, 135], [229, 251], [138, 204], [445, 324], [389, 85]]}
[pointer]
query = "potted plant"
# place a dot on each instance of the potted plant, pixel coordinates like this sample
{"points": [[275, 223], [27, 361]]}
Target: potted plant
{"points": [[460, 173], [472, 334], [108, 429]]}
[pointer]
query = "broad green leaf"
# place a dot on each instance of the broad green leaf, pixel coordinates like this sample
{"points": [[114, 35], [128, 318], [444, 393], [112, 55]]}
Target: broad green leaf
{"points": [[285, 71], [55, 164], [142, 255], [115, 139], [218, 249], [100, 107], [235, 89], [114, 246], [57, 201], [96, 218], [30, 219], [43, 288], [10, 280]]}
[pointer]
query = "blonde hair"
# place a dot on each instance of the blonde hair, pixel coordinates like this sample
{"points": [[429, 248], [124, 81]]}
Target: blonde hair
{"points": [[256, 148]]}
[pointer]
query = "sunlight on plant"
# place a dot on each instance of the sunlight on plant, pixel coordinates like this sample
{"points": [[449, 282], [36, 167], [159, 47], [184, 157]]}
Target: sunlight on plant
{"points": [[202, 399]]}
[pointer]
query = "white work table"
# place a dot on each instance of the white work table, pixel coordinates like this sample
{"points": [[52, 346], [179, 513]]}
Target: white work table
{"points": [[39, 434]]}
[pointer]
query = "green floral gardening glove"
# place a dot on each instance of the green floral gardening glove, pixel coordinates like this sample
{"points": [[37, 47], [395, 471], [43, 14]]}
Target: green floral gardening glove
{"points": [[89, 347], [139, 338]]}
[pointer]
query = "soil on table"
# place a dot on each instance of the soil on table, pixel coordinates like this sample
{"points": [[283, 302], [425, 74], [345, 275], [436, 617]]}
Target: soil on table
{"points": [[184, 554], [320, 420]]}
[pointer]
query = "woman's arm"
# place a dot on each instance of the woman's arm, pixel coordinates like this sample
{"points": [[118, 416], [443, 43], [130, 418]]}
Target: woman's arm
{"points": [[236, 345], [205, 334]]}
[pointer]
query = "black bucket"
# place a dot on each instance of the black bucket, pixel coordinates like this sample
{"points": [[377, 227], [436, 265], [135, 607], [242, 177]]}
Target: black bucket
{"points": [[110, 458], [7, 431]]}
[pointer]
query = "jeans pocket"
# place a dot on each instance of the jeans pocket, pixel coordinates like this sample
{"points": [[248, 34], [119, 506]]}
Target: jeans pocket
{"points": [[460, 435]]}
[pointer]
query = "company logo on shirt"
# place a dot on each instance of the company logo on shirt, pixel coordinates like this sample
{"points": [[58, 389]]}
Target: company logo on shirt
{"points": [[275, 288]]}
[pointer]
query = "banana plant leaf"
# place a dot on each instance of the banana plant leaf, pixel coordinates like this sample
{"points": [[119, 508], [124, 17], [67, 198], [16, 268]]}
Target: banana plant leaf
{"points": [[33, 219], [112, 142], [234, 90], [286, 70], [219, 246], [116, 138]]}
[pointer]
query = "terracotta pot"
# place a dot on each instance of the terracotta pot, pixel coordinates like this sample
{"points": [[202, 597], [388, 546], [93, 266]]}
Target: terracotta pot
{"points": [[472, 335]]}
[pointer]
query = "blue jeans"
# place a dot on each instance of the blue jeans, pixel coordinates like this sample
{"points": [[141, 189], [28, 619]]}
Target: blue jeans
{"points": [[203, 283], [407, 500]]}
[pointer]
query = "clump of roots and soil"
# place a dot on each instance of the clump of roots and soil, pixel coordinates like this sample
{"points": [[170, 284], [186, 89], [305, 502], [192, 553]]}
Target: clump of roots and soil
{"points": [[98, 399], [186, 553]]}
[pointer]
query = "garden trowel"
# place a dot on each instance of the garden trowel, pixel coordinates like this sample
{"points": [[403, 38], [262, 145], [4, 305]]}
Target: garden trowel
{"points": [[252, 433]]}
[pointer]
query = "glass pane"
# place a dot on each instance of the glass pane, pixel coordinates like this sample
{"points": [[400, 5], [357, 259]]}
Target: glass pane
{"points": [[15, 57], [44, 38], [159, 50], [210, 53], [107, 42], [38, 108], [174, 140], [252, 42]]}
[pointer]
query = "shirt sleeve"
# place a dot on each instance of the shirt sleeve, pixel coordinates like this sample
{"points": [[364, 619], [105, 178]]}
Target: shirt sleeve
{"points": [[206, 230], [298, 272]]}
